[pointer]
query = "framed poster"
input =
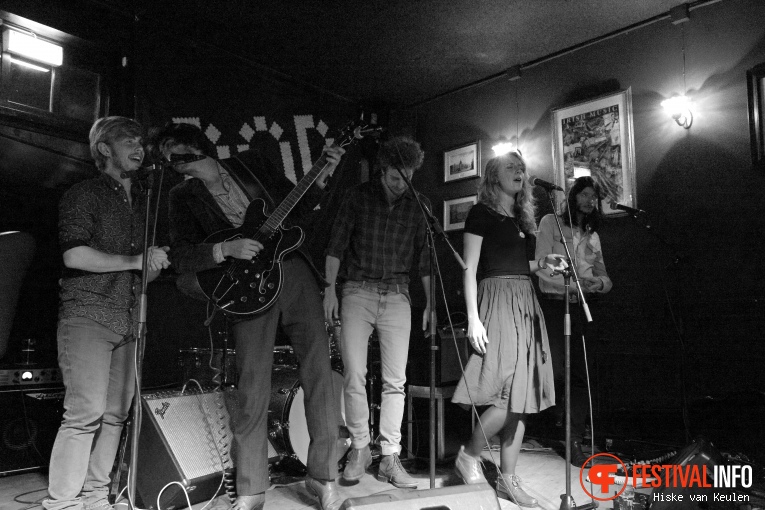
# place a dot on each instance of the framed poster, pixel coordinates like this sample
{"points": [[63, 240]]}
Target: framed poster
{"points": [[595, 138], [456, 211], [462, 162], [756, 91]]}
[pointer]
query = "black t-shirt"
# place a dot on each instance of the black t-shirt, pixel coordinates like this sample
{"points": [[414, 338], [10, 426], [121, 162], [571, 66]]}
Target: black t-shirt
{"points": [[503, 251]]}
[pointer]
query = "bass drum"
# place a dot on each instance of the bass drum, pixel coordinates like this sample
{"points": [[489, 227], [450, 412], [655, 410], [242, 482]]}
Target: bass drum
{"points": [[287, 425]]}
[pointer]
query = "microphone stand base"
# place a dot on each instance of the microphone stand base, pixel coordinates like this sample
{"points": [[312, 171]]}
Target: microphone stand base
{"points": [[567, 503]]}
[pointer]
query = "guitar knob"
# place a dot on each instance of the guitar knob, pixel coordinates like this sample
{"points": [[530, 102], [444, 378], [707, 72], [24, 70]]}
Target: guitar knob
{"points": [[243, 299], [270, 285], [246, 271], [253, 285], [257, 275], [262, 299]]}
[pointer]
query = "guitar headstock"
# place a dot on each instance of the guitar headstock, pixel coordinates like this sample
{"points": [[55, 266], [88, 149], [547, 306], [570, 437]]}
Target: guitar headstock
{"points": [[356, 130]]}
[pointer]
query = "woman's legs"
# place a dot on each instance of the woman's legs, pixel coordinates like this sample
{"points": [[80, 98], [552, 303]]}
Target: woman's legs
{"points": [[510, 426], [511, 437]]}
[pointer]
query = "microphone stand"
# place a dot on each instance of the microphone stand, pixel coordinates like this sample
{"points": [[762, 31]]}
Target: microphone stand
{"points": [[431, 226], [567, 501], [142, 180]]}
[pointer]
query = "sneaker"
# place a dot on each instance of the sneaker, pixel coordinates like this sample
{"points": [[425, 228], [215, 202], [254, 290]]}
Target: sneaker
{"points": [[509, 486], [393, 472], [469, 468], [359, 461]]}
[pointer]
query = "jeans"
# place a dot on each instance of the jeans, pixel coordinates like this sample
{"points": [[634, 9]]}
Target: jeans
{"points": [[97, 366], [364, 308], [553, 311]]}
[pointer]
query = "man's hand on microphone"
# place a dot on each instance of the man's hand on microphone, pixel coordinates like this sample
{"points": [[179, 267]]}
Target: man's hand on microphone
{"points": [[158, 258], [244, 248]]}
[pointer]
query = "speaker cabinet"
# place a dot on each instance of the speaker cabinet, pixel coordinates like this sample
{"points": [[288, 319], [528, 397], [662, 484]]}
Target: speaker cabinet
{"points": [[452, 350], [458, 497], [185, 438], [29, 422]]}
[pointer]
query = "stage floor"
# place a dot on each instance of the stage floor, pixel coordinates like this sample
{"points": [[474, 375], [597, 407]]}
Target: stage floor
{"points": [[541, 468]]}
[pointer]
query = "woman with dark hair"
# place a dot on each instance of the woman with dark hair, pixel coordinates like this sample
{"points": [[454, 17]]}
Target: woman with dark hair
{"points": [[510, 370], [580, 217]]}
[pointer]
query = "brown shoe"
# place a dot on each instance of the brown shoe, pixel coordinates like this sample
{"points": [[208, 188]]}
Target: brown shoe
{"points": [[252, 502], [509, 486], [359, 460], [325, 492], [393, 472]]}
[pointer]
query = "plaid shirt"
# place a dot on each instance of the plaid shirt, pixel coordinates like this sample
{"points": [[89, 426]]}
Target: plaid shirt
{"points": [[378, 242], [96, 213]]}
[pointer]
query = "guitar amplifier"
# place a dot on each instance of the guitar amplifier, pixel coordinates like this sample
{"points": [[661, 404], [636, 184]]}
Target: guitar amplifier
{"points": [[185, 438]]}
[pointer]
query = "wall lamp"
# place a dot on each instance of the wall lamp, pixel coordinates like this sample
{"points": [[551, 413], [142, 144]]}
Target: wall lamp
{"points": [[502, 148], [679, 107], [33, 48]]}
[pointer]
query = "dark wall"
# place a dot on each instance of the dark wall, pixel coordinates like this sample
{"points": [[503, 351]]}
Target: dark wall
{"points": [[703, 197]]}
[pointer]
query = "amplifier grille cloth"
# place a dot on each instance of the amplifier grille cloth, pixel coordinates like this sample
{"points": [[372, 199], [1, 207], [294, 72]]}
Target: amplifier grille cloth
{"points": [[196, 428]]}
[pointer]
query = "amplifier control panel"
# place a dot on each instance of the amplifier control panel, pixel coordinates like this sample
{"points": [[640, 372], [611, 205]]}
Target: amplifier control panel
{"points": [[28, 376]]}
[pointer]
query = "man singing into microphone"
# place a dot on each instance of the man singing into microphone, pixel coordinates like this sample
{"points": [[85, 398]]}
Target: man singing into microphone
{"points": [[580, 218], [378, 234], [214, 198], [101, 226]]}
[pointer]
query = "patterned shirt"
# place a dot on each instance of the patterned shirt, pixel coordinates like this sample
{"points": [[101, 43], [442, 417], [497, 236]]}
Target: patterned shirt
{"points": [[96, 213], [376, 241]]}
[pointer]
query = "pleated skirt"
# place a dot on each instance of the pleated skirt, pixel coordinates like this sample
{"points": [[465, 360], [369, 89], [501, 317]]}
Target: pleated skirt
{"points": [[516, 372]]}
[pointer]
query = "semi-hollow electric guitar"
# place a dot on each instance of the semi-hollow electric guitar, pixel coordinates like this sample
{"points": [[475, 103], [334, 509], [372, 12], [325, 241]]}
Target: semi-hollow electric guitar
{"points": [[247, 287]]}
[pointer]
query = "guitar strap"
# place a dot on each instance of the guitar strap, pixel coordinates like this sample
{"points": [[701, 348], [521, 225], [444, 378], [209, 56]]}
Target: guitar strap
{"points": [[248, 182]]}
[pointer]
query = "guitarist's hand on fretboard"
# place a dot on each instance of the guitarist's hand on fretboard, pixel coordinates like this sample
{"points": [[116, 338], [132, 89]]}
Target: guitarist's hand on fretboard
{"points": [[243, 248], [332, 155]]}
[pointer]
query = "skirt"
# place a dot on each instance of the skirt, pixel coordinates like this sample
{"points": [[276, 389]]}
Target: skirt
{"points": [[516, 372]]}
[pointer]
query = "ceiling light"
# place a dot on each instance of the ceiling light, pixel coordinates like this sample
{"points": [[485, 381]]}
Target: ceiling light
{"points": [[27, 64], [33, 48]]}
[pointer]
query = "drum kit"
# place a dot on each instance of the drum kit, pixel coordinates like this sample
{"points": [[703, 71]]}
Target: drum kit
{"points": [[287, 426]]}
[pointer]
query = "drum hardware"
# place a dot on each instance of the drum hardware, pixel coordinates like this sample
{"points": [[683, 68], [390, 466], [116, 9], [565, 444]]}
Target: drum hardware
{"points": [[287, 424], [208, 367]]}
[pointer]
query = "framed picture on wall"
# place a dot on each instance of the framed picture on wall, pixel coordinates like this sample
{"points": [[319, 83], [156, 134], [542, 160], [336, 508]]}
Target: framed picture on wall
{"points": [[462, 162], [595, 138], [756, 89], [456, 210]]}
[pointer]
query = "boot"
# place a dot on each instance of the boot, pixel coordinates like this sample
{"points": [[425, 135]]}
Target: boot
{"points": [[392, 471], [325, 491], [469, 468], [509, 486], [359, 461]]}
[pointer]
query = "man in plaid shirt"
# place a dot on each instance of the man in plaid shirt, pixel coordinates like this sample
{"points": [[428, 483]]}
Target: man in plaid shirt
{"points": [[377, 236]]}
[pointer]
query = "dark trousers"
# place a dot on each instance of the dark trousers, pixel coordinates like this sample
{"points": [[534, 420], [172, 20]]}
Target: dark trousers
{"points": [[299, 309], [553, 310]]}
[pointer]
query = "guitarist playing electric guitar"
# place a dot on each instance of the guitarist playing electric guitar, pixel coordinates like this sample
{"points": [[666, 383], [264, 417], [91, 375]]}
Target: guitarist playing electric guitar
{"points": [[230, 195]]}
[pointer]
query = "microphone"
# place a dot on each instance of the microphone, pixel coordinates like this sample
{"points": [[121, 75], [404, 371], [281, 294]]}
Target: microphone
{"points": [[536, 181], [175, 159], [180, 159], [619, 207], [360, 132]]}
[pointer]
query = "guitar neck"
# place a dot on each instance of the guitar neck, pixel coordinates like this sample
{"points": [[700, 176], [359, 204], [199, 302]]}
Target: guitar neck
{"points": [[281, 212]]}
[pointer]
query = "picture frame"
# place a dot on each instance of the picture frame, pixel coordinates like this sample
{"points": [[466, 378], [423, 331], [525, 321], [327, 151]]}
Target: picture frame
{"points": [[755, 84], [596, 138], [462, 162], [456, 211]]}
